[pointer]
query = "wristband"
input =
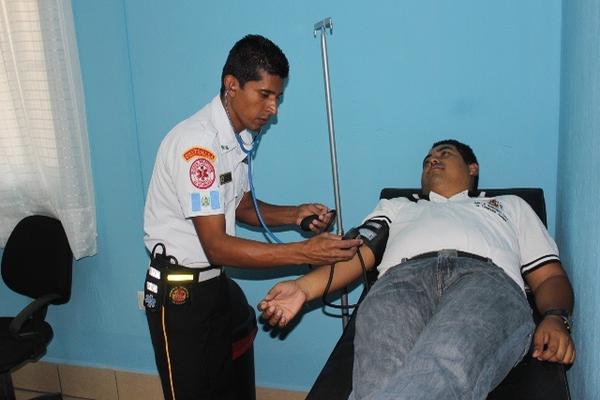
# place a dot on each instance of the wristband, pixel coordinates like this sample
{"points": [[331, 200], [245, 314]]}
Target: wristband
{"points": [[562, 313]]}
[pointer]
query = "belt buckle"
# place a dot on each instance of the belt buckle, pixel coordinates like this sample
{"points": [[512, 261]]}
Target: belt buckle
{"points": [[448, 253]]}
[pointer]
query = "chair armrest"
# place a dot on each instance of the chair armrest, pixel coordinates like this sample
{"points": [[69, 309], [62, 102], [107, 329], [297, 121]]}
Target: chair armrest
{"points": [[38, 305]]}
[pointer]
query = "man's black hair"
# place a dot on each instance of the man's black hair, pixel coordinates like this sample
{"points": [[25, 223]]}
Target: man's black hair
{"points": [[252, 54], [466, 153]]}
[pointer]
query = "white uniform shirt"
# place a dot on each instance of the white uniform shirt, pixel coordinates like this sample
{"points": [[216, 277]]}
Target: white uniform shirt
{"points": [[199, 171], [504, 229]]}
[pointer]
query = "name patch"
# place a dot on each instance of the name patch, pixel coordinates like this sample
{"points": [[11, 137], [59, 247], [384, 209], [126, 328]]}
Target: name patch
{"points": [[225, 178]]}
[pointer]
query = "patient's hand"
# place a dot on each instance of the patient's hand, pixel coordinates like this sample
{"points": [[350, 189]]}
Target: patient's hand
{"points": [[282, 303], [552, 342]]}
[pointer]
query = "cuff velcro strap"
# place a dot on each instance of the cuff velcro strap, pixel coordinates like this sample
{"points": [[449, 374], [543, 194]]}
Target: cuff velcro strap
{"points": [[375, 233]]}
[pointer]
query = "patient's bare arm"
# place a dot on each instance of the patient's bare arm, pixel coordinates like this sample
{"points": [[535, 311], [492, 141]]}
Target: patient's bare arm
{"points": [[552, 290], [285, 299]]}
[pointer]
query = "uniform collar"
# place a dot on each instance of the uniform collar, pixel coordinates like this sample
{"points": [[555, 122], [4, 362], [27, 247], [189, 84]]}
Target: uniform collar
{"points": [[438, 198], [227, 138]]}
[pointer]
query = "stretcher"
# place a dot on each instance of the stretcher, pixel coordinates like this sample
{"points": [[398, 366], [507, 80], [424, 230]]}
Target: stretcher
{"points": [[529, 380]]}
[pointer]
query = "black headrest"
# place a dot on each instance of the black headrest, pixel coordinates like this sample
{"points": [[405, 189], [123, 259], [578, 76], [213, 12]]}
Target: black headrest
{"points": [[37, 259], [533, 196]]}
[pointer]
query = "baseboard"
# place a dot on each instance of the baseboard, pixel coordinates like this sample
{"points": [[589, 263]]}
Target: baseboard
{"points": [[78, 382]]}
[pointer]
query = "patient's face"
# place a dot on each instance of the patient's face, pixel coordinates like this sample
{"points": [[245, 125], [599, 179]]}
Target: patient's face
{"points": [[445, 171]]}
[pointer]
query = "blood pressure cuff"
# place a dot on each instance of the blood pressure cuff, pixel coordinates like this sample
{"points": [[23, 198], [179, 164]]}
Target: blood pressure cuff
{"points": [[374, 233]]}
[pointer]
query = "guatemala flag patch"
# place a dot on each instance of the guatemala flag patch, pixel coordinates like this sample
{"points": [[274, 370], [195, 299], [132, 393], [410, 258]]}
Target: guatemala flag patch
{"points": [[205, 200]]}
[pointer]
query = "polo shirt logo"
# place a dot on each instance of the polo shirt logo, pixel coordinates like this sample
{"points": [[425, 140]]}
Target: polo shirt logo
{"points": [[492, 205]]}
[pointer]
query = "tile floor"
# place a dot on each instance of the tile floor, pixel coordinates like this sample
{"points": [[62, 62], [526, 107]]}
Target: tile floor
{"points": [[85, 383]]}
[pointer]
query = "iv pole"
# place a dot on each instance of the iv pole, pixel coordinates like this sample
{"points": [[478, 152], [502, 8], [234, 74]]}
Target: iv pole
{"points": [[322, 26]]}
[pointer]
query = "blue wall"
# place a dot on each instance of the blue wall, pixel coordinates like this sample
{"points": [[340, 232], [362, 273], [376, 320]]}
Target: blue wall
{"points": [[579, 186], [403, 75]]}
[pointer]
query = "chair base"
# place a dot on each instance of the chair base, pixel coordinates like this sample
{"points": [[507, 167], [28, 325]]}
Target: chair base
{"points": [[7, 390]]}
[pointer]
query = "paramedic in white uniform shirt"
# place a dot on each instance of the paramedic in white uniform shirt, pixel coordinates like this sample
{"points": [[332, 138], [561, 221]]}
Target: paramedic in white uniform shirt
{"points": [[448, 317], [199, 188]]}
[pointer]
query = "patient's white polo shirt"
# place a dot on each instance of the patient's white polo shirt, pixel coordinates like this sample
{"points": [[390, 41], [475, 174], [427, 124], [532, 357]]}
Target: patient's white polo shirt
{"points": [[199, 171], [504, 229]]}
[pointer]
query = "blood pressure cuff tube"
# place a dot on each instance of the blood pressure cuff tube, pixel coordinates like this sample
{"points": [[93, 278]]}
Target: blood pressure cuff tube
{"points": [[374, 233]]}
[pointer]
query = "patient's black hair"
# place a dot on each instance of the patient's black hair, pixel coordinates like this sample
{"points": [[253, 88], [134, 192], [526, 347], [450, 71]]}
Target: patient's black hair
{"points": [[466, 152], [252, 54]]}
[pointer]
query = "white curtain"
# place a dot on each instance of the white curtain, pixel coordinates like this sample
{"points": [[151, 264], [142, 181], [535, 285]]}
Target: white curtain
{"points": [[44, 152]]}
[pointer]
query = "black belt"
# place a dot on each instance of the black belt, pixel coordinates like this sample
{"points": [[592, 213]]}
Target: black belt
{"points": [[450, 253]]}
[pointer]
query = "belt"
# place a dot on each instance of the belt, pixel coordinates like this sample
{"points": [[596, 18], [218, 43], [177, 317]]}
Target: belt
{"points": [[184, 274], [447, 253]]}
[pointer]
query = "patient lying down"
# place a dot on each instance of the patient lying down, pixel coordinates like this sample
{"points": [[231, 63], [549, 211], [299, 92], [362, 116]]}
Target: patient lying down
{"points": [[448, 317]]}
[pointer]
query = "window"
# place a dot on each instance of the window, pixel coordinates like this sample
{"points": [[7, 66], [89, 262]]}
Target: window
{"points": [[44, 152]]}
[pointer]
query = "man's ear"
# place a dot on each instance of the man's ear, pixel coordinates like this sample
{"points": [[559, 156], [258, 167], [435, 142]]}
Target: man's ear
{"points": [[474, 169], [231, 85]]}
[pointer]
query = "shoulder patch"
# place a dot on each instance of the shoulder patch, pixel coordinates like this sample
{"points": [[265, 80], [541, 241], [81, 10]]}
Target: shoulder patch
{"points": [[199, 152], [205, 200], [202, 173]]}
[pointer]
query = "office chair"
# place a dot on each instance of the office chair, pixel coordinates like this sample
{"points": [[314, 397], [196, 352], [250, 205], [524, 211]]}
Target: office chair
{"points": [[37, 262]]}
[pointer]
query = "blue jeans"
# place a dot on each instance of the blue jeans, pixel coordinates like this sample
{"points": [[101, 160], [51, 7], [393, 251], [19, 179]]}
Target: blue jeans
{"points": [[445, 327]]}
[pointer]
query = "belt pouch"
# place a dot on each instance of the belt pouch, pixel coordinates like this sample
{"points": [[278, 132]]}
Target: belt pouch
{"points": [[156, 288]]}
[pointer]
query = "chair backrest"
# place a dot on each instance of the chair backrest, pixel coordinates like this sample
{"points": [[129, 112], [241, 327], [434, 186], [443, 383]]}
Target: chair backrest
{"points": [[533, 196], [37, 259]]}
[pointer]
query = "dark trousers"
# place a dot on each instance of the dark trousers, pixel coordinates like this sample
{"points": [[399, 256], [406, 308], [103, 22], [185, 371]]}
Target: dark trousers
{"points": [[193, 341]]}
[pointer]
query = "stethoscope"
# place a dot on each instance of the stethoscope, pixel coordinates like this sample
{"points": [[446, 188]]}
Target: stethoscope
{"points": [[250, 150], [250, 155]]}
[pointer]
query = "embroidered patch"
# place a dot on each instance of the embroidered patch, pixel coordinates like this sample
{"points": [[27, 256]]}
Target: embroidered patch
{"points": [[152, 287], [154, 272], [214, 199], [199, 152], [492, 205], [204, 200], [225, 178], [202, 173], [150, 301], [495, 204], [179, 295]]}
